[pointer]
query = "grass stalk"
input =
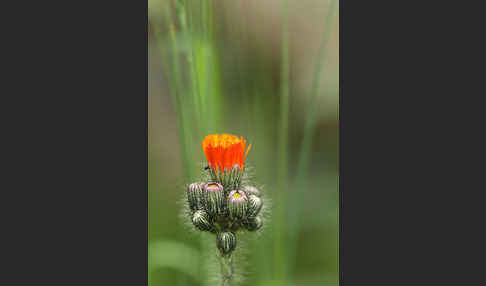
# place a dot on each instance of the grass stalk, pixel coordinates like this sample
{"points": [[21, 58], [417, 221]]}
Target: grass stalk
{"points": [[175, 87], [280, 255], [303, 163], [309, 129], [184, 109], [197, 94]]}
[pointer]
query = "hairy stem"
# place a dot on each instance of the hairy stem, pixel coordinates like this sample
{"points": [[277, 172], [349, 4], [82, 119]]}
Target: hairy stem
{"points": [[226, 263]]}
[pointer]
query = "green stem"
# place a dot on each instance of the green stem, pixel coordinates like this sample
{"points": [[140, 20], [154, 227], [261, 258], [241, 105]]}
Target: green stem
{"points": [[280, 256], [226, 263]]}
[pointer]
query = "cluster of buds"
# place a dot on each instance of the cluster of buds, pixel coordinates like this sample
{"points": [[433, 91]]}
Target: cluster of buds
{"points": [[225, 204], [224, 212]]}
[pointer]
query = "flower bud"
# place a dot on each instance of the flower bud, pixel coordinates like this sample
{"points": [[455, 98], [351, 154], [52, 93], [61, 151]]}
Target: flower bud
{"points": [[214, 198], [235, 174], [194, 195], [226, 242], [254, 224], [255, 204], [200, 220], [250, 190], [237, 204]]}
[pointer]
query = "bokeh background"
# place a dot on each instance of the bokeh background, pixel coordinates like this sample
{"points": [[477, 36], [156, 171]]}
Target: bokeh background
{"points": [[268, 71]]}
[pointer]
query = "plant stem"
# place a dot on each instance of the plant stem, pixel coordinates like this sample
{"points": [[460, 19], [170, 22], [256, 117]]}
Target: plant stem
{"points": [[226, 263]]}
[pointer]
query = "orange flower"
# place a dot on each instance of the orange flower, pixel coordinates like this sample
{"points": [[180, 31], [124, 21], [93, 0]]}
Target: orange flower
{"points": [[224, 151]]}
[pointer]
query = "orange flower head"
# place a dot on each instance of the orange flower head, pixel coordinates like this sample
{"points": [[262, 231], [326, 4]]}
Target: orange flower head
{"points": [[224, 151]]}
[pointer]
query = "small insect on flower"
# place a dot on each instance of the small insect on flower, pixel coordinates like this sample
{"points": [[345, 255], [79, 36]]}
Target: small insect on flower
{"points": [[226, 202]]}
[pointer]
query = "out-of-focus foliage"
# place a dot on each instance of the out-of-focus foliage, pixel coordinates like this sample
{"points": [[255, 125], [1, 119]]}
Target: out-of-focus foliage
{"points": [[218, 71]]}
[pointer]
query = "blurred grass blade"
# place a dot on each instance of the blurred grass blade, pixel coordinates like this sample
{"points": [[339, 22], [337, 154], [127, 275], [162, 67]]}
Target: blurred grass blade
{"points": [[309, 129], [280, 256], [311, 119]]}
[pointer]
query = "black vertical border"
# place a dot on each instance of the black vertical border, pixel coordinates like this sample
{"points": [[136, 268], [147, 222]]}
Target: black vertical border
{"points": [[78, 91], [384, 74]]}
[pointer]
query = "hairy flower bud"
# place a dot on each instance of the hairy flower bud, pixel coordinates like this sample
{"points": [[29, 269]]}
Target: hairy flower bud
{"points": [[235, 176], [251, 190], [237, 204], [214, 198], [255, 204], [254, 224], [200, 220], [226, 242], [195, 195]]}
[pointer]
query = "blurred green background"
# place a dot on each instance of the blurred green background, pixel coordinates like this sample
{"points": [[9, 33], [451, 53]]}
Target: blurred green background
{"points": [[268, 71]]}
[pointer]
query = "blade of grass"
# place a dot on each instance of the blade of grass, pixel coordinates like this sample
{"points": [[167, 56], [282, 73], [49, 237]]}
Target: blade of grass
{"points": [[198, 93], [309, 129], [175, 86], [195, 93], [280, 257], [185, 126], [303, 163]]}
